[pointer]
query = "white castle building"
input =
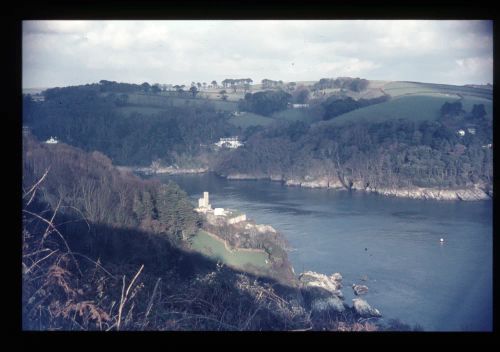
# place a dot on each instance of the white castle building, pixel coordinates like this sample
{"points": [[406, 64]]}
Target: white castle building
{"points": [[204, 203], [231, 217]]}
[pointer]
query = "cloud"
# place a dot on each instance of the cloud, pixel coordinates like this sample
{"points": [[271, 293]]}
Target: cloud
{"points": [[76, 52]]}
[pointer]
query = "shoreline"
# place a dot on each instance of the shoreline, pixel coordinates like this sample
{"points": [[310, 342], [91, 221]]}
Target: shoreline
{"points": [[474, 193]]}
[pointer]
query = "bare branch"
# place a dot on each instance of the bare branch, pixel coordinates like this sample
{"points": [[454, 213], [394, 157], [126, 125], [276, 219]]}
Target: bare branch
{"points": [[36, 184]]}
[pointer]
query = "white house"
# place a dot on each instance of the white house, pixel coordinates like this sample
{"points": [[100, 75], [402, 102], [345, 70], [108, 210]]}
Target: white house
{"points": [[38, 97], [230, 142], [461, 133], [300, 106], [51, 140]]}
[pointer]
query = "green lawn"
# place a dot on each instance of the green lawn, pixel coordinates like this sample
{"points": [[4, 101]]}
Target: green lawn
{"points": [[206, 244], [250, 119]]}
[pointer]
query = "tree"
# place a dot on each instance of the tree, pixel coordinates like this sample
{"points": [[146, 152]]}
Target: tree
{"points": [[193, 91], [478, 111], [223, 94], [452, 109], [155, 89], [146, 87], [214, 83], [301, 95]]}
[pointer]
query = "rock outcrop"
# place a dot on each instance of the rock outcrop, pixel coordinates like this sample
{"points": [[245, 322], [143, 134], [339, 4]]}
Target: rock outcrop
{"points": [[468, 194], [360, 289], [246, 177], [322, 292], [362, 308]]}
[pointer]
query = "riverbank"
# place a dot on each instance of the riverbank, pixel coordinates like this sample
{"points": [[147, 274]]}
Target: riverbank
{"points": [[472, 193], [167, 170]]}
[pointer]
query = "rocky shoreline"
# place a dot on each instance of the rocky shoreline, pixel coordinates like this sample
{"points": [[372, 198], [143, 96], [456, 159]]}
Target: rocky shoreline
{"points": [[168, 170], [473, 193], [323, 293]]}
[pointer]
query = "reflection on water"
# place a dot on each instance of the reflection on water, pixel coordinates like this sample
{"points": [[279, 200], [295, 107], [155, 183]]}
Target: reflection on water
{"points": [[410, 274]]}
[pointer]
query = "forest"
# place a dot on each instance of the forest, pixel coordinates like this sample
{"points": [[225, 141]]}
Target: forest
{"points": [[395, 153], [84, 117]]}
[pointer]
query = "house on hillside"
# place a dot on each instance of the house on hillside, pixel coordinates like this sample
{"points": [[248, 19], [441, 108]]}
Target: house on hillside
{"points": [[229, 142], [38, 98], [51, 140]]}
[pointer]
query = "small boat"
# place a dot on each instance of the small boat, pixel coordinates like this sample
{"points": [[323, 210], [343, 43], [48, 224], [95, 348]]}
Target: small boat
{"points": [[441, 240]]}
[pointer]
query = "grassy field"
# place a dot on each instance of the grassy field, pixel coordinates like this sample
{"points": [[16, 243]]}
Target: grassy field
{"points": [[144, 110], [413, 107], [206, 244], [292, 115], [250, 119], [158, 101], [418, 101], [396, 89]]}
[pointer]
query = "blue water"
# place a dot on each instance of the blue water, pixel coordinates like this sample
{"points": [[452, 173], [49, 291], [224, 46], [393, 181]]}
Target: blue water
{"points": [[393, 242]]}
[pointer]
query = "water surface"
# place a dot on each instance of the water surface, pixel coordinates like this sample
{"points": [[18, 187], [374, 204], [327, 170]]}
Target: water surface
{"points": [[393, 243]]}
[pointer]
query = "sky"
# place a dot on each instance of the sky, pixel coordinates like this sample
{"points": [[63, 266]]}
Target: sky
{"points": [[63, 53]]}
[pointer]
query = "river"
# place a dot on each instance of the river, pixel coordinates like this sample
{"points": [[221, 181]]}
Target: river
{"points": [[391, 243]]}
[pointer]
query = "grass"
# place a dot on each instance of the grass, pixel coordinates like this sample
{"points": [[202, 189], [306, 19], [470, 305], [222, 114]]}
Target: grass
{"points": [[250, 119], [206, 244], [292, 115], [396, 89], [144, 110], [158, 101], [416, 107]]}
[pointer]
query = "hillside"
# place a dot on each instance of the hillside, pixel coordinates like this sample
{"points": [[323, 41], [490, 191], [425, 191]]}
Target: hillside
{"points": [[339, 137], [108, 251]]}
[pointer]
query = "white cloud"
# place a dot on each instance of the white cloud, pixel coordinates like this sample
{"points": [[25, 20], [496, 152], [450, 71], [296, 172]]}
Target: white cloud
{"points": [[74, 52]]}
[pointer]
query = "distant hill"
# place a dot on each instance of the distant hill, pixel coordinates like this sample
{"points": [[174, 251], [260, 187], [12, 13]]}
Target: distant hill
{"points": [[33, 90]]}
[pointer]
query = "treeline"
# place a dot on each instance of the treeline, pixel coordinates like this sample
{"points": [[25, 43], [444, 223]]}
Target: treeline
{"points": [[395, 153], [268, 102], [335, 106], [83, 117], [265, 103], [354, 84]]}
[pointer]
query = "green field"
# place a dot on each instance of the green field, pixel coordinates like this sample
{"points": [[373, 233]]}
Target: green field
{"points": [[417, 107], [250, 119], [396, 89], [144, 110], [158, 101], [206, 244], [292, 115]]}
